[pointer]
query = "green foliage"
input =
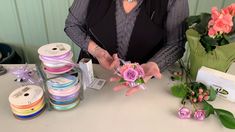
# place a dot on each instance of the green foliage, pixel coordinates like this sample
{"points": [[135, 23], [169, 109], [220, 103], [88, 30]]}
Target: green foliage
{"points": [[139, 81], [208, 108], [226, 118], [179, 90], [122, 80], [208, 43], [213, 94], [200, 24]]}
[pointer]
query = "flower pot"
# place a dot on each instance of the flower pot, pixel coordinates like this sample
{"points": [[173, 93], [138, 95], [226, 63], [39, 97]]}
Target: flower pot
{"points": [[220, 58]]}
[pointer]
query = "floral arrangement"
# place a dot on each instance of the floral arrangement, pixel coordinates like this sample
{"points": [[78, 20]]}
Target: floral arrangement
{"points": [[198, 95], [216, 29], [131, 74]]}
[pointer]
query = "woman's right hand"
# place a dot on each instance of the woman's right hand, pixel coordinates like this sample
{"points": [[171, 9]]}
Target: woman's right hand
{"points": [[104, 58]]}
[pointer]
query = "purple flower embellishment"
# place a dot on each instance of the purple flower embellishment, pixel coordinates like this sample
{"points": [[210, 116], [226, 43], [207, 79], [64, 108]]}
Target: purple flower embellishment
{"points": [[140, 71], [200, 115], [184, 113], [130, 75]]}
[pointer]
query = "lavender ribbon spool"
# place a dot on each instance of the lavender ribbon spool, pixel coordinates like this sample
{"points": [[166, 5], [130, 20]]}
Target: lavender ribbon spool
{"points": [[64, 98]]}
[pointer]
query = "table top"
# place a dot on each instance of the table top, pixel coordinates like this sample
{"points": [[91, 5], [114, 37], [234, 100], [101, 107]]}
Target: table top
{"points": [[150, 110]]}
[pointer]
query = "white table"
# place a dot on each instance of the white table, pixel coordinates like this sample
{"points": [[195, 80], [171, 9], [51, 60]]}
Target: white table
{"points": [[152, 110]]}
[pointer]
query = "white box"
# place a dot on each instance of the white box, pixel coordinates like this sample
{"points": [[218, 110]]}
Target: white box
{"points": [[223, 83], [87, 71]]}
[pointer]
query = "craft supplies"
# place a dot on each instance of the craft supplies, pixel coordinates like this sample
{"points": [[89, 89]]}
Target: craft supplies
{"points": [[27, 102]]}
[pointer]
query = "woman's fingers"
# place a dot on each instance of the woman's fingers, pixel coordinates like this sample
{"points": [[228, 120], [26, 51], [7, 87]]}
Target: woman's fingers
{"points": [[119, 87], [131, 91], [116, 62], [114, 79], [146, 78]]}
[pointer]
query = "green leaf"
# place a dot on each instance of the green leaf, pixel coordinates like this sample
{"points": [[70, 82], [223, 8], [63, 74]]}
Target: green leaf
{"points": [[196, 85], [201, 27], [140, 81], [226, 118], [209, 109], [205, 18], [212, 94], [192, 20], [223, 41], [121, 80], [208, 43], [179, 90], [223, 112]]}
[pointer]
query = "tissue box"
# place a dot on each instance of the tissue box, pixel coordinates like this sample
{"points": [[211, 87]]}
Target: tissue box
{"points": [[223, 83]]}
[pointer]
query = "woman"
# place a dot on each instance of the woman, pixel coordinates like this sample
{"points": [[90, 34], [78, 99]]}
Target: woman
{"points": [[150, 32]]}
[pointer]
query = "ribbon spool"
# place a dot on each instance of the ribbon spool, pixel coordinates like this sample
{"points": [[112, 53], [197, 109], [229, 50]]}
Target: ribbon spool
{"points": [[27, 102], [55, 58], [64, 92]]}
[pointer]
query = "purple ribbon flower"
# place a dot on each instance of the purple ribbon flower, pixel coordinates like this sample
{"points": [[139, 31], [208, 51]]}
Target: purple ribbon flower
{"points": [[184, 113], [200, 115], [130, 75]]}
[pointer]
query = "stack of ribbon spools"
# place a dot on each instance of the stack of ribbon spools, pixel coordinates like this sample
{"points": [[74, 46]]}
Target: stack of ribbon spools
{"points": [[64, 88], [27, 102]]}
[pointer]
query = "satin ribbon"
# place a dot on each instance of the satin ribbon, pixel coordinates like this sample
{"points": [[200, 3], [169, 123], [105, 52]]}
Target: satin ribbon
{"points": [[64, 92], [28, 111], [64, 98], [24, 73], [67, 55], [65, 68], [58, 86], [32, 115], [64, 102], [28, 106], [65, 107]]}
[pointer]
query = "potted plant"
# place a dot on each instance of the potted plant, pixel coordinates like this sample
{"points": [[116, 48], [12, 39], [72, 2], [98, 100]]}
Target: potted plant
{"points": [[211, 39]]}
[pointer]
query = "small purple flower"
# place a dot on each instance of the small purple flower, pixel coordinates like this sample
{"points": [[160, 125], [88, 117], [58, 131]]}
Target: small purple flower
{"points": [[130, 75], [184, 113], [140, 71], [200, 115]]}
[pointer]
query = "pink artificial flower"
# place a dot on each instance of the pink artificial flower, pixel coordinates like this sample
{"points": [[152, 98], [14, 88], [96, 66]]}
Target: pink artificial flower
{"points": [[140, 71], [223, 24], [200, 115], [184, 113], [220, 22], [229, 10], [215, 13], [130, 75], [124, 68], [211, 23]]}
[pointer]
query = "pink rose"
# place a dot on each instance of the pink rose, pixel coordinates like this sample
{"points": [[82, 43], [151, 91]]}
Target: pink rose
{"points": [[184, 113], [200, 115], [130, 75]]}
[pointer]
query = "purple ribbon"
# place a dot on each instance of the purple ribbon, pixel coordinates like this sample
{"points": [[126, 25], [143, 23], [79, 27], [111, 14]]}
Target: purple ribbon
{"points": [[63, 98], [25, 74]]}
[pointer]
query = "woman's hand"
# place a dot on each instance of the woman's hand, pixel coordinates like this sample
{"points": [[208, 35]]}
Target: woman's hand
{"points": [[104, 58], [151, 70]]}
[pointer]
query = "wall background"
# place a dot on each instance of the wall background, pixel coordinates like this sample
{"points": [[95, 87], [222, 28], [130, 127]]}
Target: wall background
{"points": [[29, 24]]}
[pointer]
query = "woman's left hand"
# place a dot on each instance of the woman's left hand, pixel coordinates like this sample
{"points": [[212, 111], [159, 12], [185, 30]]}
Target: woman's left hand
{"points": [[151, 69]]}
